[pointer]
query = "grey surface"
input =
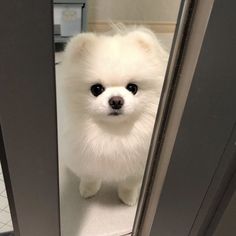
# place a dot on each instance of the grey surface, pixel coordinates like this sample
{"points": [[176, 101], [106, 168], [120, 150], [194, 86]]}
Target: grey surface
{"points": [[227, 226], [206, 126], [7, 234], [218, 194], [85, 16], [28, 113]]}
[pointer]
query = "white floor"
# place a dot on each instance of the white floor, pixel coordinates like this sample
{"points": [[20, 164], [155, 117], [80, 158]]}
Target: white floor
{"points": [[102, 215]]}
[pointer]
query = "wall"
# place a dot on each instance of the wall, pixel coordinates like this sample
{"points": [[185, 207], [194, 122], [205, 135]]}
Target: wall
{"points": [[134, 10], [155, 12]]}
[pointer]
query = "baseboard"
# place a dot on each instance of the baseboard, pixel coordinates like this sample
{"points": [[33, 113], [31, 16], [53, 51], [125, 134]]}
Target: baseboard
{"points": [[158, 27]]}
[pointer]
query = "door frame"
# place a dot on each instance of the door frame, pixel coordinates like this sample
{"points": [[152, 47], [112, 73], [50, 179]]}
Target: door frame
{"points": [[184, 202], [28, 115]]}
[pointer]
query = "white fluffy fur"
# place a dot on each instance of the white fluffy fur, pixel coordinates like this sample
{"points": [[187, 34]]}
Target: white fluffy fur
{"points": [[98, 147]]}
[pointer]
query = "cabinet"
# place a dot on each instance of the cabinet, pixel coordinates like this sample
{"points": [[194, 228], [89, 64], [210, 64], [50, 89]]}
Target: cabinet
{"points": [[69, 19]]}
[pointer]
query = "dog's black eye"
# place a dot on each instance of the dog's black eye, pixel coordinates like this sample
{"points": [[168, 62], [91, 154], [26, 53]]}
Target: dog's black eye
{"points": [[133, 88], [97, 89]]}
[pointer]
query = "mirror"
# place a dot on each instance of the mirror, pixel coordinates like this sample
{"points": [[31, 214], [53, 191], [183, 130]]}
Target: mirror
{"points": [[111, 58]]}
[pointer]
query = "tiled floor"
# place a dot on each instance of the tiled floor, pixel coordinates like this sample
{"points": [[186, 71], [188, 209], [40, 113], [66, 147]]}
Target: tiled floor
{"points": [[5, 216]]}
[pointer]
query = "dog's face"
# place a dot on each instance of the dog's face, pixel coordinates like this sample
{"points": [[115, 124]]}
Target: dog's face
{"points": [[114, 78]]}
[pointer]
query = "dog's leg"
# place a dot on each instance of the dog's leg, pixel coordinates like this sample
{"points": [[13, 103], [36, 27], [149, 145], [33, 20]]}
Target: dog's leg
{"points": [[128, 190], [89, 186]]}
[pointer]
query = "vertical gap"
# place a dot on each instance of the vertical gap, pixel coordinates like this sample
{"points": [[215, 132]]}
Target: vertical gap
{"points": [[8, 185], [56, 120]]}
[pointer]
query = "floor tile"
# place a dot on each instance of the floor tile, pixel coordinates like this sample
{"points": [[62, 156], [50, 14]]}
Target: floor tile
{"points": [[9, 223], [7, 209], [6, 228], [4, 193], [3, 202], [2, 186], [4, 217]]}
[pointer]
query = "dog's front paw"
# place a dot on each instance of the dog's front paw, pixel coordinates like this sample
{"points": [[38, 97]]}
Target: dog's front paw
{"points": [[128, 196], [89, 188]]}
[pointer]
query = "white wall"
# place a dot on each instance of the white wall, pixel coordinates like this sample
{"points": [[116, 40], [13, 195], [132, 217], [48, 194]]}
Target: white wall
{"points": [[133, 10]]}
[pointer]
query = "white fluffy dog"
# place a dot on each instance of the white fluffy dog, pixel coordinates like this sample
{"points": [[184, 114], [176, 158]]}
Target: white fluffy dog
{"points": [[111, 85]]}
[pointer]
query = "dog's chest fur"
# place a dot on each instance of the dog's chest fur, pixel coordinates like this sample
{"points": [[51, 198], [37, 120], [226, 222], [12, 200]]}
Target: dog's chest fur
{"points": [[110, 153]]}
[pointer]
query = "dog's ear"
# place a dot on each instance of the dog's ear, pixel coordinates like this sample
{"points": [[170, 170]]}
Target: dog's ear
{"points": [[145, 39], [79, 45]]}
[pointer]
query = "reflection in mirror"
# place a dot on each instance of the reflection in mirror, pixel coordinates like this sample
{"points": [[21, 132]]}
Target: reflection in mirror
{"points": [[109, 80]]}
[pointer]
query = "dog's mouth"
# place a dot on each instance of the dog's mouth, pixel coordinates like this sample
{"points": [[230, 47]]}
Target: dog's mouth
{"points": [[115, 113]]}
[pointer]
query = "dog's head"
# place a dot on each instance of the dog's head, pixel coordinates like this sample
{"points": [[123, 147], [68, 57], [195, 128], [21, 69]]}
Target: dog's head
{"points": [[114, 77]]}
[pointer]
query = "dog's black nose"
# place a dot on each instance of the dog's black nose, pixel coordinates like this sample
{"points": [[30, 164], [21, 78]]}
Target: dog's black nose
{"points": [[116, 102]]}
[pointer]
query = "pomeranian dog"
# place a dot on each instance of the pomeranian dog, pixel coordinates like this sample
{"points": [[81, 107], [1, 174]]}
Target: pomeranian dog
{"points": [[111, 85]]}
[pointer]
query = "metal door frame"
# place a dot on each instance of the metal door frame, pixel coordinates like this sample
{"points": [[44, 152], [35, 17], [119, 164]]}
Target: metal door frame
{"points": [[182, 198], [28, 115]]}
